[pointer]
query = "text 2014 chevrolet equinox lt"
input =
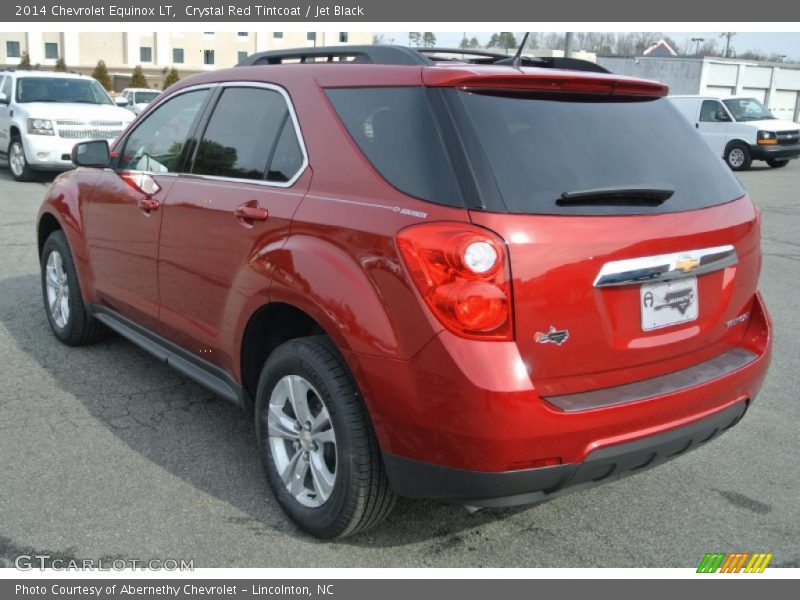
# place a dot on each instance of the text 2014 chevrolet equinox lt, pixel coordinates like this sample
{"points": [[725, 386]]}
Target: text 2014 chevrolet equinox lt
{"points": [[480, 283]]}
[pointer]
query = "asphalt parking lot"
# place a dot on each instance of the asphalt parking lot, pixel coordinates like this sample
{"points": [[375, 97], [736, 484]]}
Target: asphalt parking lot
{"points": [[108, 453]]}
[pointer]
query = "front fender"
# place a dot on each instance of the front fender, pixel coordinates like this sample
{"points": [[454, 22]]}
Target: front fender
{"points": [[359, 295], [63, 202]]}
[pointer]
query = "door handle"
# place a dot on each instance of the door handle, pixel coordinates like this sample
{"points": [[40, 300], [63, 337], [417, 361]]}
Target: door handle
{"points": [[248, 212], [697, 125], [148, 204]]}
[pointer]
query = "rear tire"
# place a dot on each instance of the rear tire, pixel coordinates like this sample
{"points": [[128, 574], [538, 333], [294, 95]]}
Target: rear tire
{"points": [[61, 292], [17, 161], [316, 442], [738, 156], [777, 163]]}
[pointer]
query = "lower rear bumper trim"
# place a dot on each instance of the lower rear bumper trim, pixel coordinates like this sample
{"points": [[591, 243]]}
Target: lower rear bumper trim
{"points": [[416, 479]]}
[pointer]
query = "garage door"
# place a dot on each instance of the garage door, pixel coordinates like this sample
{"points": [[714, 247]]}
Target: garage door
{"points": [[783, 104], [718, 91], [758, 93]]}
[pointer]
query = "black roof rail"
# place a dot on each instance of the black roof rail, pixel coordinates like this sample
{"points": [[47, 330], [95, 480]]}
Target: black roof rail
{"points": [[402, 55], [374, 54]]}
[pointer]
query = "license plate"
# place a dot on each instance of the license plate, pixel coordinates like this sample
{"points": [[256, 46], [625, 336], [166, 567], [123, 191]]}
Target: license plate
{"points": [[668, 303]]}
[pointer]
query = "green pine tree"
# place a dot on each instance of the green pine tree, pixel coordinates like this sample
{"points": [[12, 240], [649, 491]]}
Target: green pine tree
{"points": [[138, 80], [61, 65], [172, 77], [25, 61], [100, 73]]}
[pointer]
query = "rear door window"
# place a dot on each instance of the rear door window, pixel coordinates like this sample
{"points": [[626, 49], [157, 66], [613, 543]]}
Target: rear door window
{"points": [[539, 148], [250, 135]]}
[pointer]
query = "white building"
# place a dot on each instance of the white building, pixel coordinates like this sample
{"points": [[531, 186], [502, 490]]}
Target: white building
{"points": [[777, 85]]}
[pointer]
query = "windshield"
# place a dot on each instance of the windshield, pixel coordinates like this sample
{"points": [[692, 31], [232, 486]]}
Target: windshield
{"points": [[55, 89], [545, 149], [748, 109], [144, 97]]}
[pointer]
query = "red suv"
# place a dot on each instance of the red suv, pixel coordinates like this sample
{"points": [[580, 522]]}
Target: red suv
{"points": [[425, 274]]}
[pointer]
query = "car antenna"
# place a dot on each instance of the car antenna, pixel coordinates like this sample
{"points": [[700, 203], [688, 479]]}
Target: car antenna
{"points": [[517, 62]]}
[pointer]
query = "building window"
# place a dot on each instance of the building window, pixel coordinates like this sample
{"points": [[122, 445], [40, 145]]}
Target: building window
{"points": [[146, 53], [343, 37], [311, 36], [278, 35], [241, 34], [208, 57], [177, 56], [241, 56], [51, 51], [208, 35], [12, 50]]}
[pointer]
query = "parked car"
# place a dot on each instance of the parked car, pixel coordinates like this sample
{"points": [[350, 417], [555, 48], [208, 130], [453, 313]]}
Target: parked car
{"points": [[741, 129], [465, 281], [137, 99], [43, 114]]}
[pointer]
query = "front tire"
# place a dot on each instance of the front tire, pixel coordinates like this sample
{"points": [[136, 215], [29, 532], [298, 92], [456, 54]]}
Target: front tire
{"points": [[17, 162], [738, 157], [316, 442], [776, 163], [61, 291]]}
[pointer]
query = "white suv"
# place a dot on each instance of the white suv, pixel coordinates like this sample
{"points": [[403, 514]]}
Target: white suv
{"points": [[138, 98], [43, 114]]}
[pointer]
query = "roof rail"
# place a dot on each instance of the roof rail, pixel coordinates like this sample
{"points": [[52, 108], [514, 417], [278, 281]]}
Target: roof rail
{"points": [[402, 55], [375, 54]]}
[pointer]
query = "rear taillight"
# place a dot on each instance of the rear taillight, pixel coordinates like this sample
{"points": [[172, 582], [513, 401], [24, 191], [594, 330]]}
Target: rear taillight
{"points": [[462, 273]]}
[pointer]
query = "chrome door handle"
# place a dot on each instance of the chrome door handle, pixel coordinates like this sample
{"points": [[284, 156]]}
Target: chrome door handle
{"points": [[148, 204]]}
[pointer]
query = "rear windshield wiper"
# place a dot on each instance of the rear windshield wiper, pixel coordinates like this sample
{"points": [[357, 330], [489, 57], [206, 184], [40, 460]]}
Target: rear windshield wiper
{"points": [[615, 197]]}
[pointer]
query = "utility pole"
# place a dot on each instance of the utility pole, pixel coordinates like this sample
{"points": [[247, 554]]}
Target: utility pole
{"points": [[568, 44], [727, 35], [697, 42]]}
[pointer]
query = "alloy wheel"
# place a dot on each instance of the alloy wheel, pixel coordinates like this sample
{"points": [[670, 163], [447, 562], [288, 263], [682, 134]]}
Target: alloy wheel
{"points": [[16, 159], [57, 290], [736, 157], [302, 441]]}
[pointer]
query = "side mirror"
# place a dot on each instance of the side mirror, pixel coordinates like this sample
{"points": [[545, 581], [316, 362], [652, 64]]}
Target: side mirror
{"points": [[91, 154], [121, 101], [3, 98]]}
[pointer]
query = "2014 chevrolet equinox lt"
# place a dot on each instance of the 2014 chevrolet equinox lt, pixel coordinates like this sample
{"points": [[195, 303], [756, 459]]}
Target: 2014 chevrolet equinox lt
{"points": [[474, 282]]}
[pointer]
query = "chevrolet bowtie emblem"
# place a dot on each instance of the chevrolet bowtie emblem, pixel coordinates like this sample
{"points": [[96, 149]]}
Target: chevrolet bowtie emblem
{"points": [[687, 264]]}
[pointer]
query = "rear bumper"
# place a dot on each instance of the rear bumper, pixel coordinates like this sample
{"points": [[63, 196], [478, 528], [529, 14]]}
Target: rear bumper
{"points": [[416, 479], [453, 429], [778, 151]]}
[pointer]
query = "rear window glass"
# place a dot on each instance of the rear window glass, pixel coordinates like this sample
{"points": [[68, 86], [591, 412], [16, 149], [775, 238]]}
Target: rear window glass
{"points": [[396, 131], [540, 148]]}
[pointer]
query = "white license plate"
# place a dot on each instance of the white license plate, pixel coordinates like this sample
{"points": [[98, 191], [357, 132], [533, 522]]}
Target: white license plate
{"points": [[668, 303]]}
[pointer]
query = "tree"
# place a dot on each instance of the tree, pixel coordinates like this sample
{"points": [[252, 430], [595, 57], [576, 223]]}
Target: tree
{"points": [[100, 73], [378, 39], [61, 65], [138, 80], [25, 61], [414, 38], [172, 77], [428, 39], [464, 42], [474, 43]]}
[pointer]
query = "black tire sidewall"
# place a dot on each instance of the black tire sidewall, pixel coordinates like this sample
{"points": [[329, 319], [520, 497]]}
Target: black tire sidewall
{"points": [[297, 358], [777, 163]]}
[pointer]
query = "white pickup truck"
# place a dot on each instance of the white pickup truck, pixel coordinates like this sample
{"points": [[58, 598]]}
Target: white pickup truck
{"points": [[43, 114]]}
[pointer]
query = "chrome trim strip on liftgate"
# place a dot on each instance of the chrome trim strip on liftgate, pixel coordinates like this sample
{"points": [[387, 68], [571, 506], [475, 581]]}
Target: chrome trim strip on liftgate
{"points": [[666, 267]]}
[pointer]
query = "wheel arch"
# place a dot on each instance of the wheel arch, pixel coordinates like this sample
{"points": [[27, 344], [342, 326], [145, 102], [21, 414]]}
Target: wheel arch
{"points": [[48, 223]]}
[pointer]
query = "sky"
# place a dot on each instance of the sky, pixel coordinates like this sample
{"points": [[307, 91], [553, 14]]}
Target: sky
{"points": [[782, 43]]}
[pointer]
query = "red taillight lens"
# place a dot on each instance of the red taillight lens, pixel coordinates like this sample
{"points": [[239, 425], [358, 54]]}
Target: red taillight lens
{"points": [[462, 273]]}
